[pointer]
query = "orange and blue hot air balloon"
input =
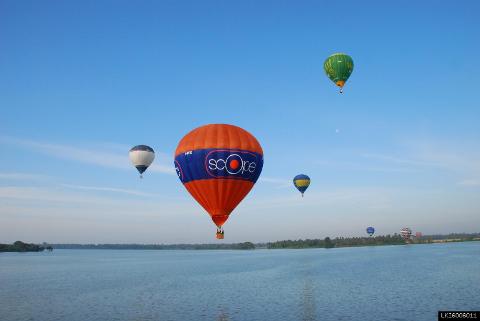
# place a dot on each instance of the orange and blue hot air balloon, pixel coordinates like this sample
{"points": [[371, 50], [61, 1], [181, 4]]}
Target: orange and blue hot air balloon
{"points": [[218, 164], [301, 182]]}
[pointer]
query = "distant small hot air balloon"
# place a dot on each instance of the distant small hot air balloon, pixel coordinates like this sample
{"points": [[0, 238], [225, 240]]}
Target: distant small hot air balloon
{"points": [[218, 164], [301, 182], [406, 233], [418, 235], [338, 68], [141, 157], [370, 230]]}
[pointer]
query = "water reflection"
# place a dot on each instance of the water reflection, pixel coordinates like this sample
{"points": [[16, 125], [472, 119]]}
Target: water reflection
{"points": [[308, 301], [223, 316], [308, 294]]}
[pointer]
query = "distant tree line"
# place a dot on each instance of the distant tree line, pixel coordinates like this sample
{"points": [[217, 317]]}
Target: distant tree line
{"points": [[337, 242], [394, 239], [19, 246], [452, 236], [301, 244], [327, 242], [231, 246]]}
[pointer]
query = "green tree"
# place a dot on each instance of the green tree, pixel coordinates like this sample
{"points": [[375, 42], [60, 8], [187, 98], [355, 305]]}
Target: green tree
{"points": [[328, 243]]}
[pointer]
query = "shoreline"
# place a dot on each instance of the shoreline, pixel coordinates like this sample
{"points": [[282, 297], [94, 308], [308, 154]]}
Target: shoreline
{"points": [[327, 243]]}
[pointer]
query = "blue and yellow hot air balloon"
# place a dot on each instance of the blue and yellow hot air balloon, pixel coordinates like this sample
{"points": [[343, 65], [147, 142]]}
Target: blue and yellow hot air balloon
{"points": [[370, 230], [301, 182]]}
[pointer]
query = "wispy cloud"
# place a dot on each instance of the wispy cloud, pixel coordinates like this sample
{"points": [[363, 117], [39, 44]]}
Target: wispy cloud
{"points": [[342, 199], [94, 156], [68, 214], [360, 166], [22, 176], [457, 158], [470, 182], [280, 182], [75, 196], [453, 159], [39, 194], [398, 160], [108, 189]]}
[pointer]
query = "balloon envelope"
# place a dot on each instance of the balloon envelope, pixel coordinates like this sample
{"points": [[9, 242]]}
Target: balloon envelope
{"points": [[338, 68], [218, 164], [370, 230], [406, 233], [141, 157], [301, 182]]}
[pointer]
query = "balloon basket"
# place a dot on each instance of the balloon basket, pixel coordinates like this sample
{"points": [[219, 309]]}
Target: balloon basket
{"points": [[220, 236]]}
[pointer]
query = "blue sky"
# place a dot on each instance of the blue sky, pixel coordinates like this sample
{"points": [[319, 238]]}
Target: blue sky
{"points": [[83, 81]]}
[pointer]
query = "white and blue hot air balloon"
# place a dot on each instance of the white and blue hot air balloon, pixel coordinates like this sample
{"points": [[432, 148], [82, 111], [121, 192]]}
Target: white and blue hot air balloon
{"points": [[141, 157]]}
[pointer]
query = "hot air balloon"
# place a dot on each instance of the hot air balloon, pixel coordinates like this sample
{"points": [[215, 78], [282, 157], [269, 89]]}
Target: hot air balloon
{"points": [[301, 182], [406, 233], [141, 157], [370, 230], [218, 164], [338, 68]]}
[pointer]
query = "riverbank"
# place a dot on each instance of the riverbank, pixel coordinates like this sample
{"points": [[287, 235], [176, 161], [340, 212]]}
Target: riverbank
{"points": [[286, 244], [20, 246]]}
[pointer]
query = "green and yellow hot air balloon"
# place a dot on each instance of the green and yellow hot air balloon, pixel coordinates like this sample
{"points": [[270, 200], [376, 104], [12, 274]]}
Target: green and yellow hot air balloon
{"points": [[338, 68]]}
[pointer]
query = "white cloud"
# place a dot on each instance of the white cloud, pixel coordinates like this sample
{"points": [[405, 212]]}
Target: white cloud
{"points": [[22, 176], [280, 182], [108, 189], [77, 197], [454, 158], [61, 214], [457, 156], [368, 198], [46, 194], [94, 156], [359, 166], [470, 182], [398, 160]]}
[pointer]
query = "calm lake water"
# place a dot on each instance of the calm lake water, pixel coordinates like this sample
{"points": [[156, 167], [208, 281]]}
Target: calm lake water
{"points": [[406, 283]]}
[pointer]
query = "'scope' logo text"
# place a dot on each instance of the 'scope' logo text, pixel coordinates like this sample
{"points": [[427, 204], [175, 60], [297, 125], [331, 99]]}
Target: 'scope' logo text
{"points": [[226, 163]]}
